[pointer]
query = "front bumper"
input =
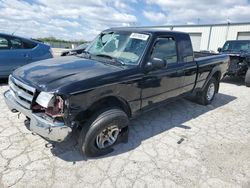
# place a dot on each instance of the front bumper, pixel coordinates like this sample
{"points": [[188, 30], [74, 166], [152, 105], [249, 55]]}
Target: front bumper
{"points": [[51, 130]]}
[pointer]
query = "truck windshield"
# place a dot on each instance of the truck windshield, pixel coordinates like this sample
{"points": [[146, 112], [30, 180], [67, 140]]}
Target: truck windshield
{"points": [[236, 46], [125, 47]]}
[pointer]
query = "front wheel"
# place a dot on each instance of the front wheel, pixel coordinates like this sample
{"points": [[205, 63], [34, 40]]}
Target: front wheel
{"points": [[247, 78], [206, 96], [102, 132]]}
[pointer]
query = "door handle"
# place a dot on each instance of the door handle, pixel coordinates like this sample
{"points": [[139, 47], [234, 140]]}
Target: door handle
{"points": [[26, 55]]}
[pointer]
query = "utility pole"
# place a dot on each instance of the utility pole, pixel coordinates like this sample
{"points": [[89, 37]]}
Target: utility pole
{"points": [[228, 24], [198, 21]]}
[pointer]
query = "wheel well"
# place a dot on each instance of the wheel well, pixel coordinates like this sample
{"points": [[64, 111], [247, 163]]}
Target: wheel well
{"points": [[106, 102], [217, 75]]}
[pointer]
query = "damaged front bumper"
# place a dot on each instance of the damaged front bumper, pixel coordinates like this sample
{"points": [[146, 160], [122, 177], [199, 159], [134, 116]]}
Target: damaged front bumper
{"points": [[39, 124]]}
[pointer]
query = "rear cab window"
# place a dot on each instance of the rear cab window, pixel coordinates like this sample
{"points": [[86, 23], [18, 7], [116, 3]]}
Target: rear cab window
{"points": [[186, 49]]}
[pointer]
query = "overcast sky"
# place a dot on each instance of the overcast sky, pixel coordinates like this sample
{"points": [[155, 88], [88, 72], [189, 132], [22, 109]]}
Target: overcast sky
{"points": [[84, 19]]}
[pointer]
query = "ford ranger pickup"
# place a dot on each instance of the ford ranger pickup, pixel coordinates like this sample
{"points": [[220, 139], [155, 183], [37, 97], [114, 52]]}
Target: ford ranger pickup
{"points": [[123, 72]]}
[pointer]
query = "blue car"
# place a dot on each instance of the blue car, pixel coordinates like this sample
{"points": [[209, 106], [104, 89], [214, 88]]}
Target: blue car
{"points": [[16, 52]]}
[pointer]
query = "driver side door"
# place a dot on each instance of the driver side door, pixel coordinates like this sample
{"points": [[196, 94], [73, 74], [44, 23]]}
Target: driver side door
{"points": [[161, 84]]}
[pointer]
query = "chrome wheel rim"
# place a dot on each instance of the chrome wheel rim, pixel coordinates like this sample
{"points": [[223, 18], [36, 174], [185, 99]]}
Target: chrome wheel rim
{"points": [[107, 137], [210, 91]]}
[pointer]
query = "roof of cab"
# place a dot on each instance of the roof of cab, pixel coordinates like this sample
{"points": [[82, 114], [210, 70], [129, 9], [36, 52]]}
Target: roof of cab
{"points": [[145, 30]]}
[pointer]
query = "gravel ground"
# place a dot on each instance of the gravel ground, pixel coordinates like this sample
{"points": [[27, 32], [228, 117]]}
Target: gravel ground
{"points": [[180, 145]]}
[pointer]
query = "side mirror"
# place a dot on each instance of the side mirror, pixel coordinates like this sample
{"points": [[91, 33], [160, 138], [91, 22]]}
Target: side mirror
{"points": [[219, 49], [155, 63]]}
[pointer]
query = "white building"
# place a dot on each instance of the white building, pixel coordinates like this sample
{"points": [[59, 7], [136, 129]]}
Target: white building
{"points": [[210, 37]]}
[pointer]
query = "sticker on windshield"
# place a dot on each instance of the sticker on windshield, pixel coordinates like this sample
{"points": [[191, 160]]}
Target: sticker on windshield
{"points": [[139, 36]]}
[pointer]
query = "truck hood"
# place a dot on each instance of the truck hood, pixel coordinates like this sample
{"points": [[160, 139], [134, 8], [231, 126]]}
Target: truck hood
{"points": [[53, 74]]}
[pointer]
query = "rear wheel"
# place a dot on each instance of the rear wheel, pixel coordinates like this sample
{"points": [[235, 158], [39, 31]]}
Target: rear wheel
{"points": [[206, 96], [102, 132], [247, 78]]}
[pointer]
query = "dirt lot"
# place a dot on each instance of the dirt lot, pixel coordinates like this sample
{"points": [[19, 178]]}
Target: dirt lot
{"points": [[180, 145]]}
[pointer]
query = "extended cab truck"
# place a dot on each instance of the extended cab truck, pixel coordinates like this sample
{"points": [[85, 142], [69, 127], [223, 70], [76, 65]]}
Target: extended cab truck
{"points": [[123, 72], [239, 51]]}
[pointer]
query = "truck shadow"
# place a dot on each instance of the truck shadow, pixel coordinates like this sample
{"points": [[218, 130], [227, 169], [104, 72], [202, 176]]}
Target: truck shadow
{"points": [[234, 80], [148, 125]]}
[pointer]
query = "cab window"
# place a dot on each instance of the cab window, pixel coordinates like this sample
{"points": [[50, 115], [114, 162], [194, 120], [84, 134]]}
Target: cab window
{"points": [[16, 43], [4, 44], [165, 48]]}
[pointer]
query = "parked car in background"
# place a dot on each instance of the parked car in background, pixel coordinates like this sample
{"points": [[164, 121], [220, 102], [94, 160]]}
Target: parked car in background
{"points": [[123, 73], [78, 50], [17, 51], [239, 51]]}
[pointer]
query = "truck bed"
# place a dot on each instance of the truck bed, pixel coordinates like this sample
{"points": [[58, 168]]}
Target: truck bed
{"points": [[205, 62], [203, 54]]}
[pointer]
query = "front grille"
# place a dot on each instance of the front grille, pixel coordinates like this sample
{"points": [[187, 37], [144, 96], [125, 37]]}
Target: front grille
{"points": [[23, 93]]}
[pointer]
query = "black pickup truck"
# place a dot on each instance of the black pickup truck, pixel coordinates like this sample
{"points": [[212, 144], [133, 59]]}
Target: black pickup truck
{"points": [[122, 73], [239, 51]]}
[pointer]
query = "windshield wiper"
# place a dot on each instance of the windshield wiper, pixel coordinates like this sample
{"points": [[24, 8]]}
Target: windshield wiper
{"points": [[84, 54], [116, 60]]}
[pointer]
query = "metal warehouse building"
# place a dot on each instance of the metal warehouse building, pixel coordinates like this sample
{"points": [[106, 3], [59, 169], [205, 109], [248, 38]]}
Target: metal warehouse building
{"points": [[210, 37]]}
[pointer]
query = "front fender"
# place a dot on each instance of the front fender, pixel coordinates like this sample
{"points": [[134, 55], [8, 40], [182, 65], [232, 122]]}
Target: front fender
{"points": [[128, 94]]}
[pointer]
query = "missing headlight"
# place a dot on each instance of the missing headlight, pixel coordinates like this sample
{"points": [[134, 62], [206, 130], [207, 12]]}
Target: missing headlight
{"points": [[56, 107], [49, 104]]}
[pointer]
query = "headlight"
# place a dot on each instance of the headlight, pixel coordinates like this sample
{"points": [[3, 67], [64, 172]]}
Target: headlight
{"points": [[52, 104], [45, 99]]}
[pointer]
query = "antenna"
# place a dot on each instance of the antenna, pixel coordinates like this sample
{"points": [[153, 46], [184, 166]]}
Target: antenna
{"points": [[198, 21], [18, 27]]}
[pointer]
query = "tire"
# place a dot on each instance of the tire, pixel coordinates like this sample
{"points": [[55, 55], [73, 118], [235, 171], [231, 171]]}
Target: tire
{"points": [[112, 118], [247, 78], [204, 97]]}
